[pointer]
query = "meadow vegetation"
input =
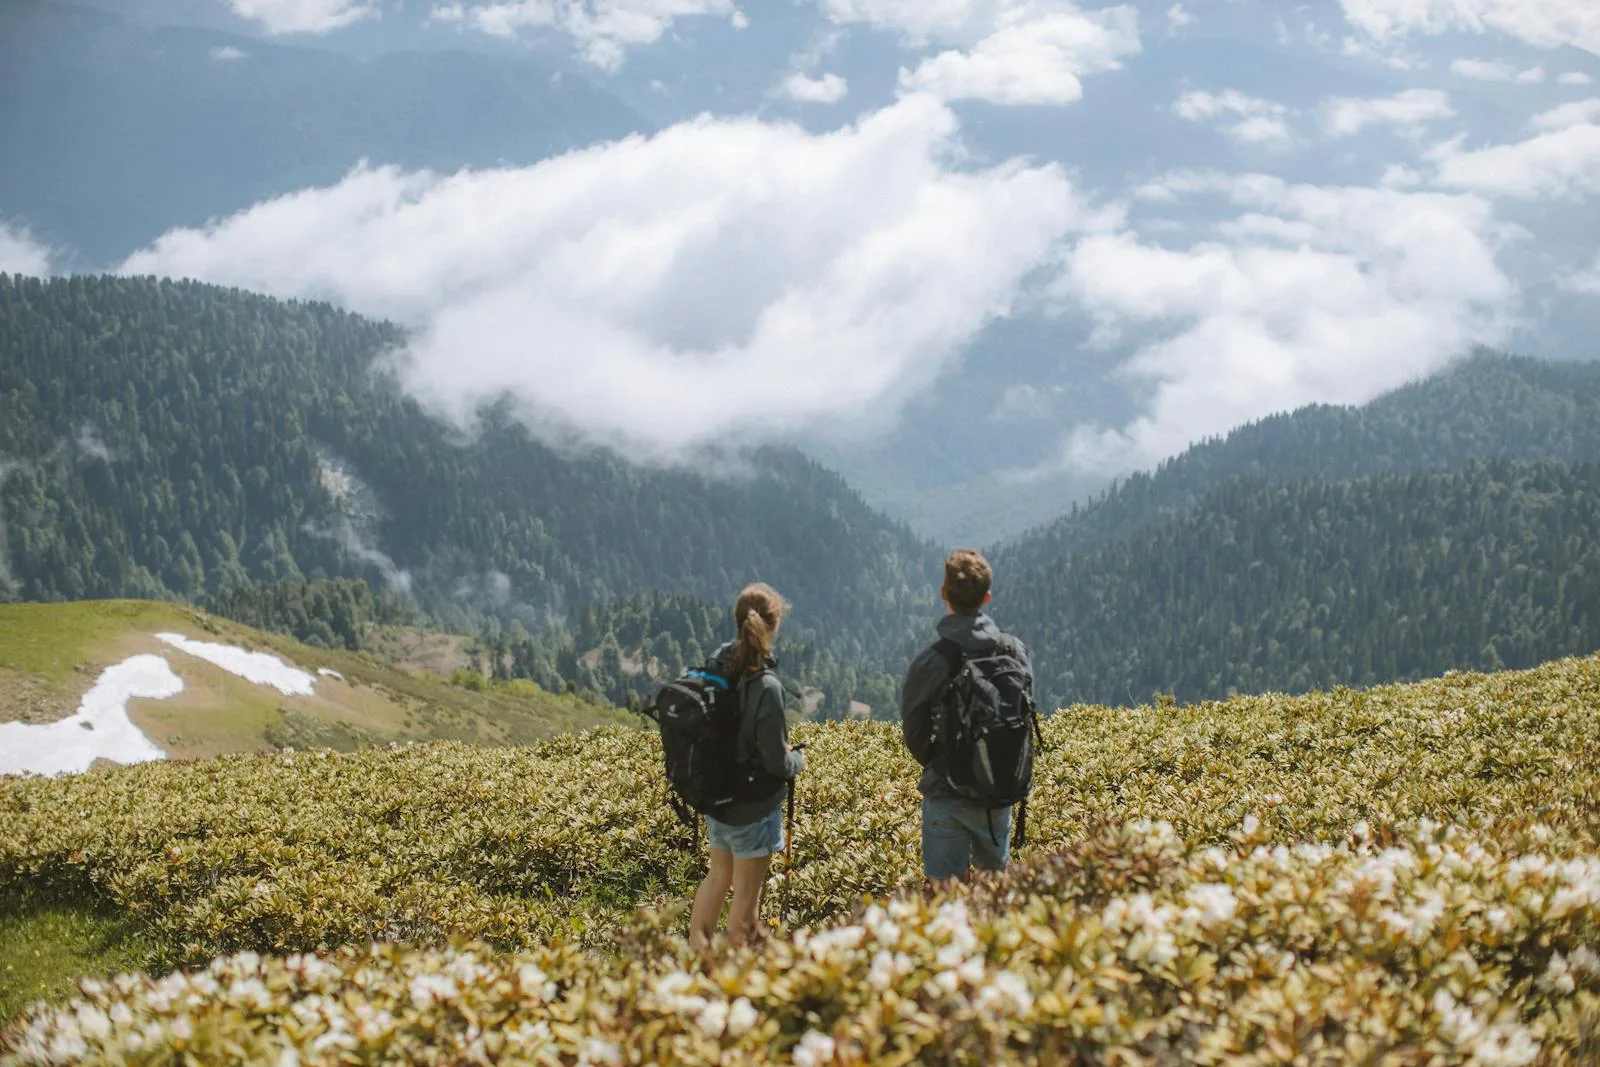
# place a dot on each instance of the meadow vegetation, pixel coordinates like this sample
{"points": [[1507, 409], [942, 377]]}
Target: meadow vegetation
{"points": [[1407, 874]]}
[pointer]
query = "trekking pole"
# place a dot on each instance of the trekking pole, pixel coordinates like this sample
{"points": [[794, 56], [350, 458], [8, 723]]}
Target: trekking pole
{"points": [[788, 852], [788, 835]]}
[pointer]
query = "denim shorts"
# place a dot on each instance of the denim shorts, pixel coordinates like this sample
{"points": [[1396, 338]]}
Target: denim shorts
{"points": [[764, 837], [958, 834]]}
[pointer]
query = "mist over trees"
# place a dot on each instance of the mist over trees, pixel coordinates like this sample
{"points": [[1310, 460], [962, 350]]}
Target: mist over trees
{"points": [[181, 441]]}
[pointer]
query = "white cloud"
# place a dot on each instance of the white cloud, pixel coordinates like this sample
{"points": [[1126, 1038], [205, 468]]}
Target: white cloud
{"points": [[828, 89], [20, 253], [740, 20], [1309, 294], [1178, 18], [797, 279], [1401, 176], [1031, 58], [604, 29], [1574, 114], [227, 53], [1347, 116], [91, 444], [1562, 162], [1258, 121], [922, 21], [1496, 70], [1575, 77], [1543, 23], [1583, 280], [305, 16]]}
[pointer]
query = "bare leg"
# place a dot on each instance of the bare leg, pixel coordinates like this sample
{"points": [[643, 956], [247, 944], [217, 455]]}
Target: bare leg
{"points": [[749, 876], [708, 899]]}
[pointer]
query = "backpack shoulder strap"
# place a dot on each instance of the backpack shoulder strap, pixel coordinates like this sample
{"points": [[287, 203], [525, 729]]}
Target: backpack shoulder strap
{"points": [[952, 653]]}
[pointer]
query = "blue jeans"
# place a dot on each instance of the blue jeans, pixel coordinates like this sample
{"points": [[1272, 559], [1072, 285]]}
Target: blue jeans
{"points": [[764, 837], [956, 834]]}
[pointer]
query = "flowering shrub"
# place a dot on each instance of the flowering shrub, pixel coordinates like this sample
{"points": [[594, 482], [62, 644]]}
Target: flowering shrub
{"points": [[1435, 947], [1407, 875]]}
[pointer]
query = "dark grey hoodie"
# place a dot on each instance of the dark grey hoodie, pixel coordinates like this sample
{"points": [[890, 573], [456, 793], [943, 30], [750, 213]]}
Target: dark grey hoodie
{"points": [[975, 633], [763, 736]]}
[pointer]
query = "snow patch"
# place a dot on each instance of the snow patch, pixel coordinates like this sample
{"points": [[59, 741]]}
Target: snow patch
{"points": [[259, 667], [100, 729], [329, 672]]}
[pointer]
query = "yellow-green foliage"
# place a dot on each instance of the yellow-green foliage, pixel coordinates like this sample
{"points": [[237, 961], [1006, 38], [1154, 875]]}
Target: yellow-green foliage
{"points": [[1409, 871]]}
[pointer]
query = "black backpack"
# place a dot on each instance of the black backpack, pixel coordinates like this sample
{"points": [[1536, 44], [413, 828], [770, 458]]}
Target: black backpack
{"points": [[987, 728], [699, 718]]}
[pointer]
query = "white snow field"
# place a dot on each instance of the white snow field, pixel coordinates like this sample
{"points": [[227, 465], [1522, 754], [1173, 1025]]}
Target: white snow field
{"points": [[101, 727], [259, 667]]}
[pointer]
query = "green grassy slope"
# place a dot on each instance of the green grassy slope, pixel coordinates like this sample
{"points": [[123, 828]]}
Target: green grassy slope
{"points": [[51, 653]]}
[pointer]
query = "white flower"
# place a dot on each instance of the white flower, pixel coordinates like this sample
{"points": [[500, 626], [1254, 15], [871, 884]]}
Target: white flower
{"points": [[742, 1017], [250, 993], [830, 941], [1211, 904], [1416, 926], [1506, 1045], [1006, 995], [971, 972], [426, 989], [813, 1050], [536, 985], [1557, 977], [527, 1034], [1584, 960], [182, 1029], [882, 972], [68, 1047], [1155, 948], [883, 929], [713, 1019], [675, 984], [599, 1052], [122, 1016], [1251, 824], [1457, 1023], [93, 1021]]}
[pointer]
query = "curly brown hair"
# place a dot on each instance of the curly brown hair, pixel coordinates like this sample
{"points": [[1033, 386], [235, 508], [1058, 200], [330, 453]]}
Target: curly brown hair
{"points": [[966, 580]]}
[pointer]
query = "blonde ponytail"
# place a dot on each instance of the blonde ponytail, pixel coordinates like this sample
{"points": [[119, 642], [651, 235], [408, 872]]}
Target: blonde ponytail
{"points": [[756, 613]]}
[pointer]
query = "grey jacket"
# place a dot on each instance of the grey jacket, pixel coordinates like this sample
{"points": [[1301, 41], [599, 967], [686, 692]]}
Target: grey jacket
{"points": [[975, 633], [763, 736]]}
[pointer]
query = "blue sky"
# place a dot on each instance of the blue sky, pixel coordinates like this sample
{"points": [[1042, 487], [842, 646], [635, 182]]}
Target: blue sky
{"points": [[1060, 240]]}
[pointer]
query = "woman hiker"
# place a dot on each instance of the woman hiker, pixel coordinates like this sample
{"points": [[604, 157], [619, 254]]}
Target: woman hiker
{"points": [[750, 831]]}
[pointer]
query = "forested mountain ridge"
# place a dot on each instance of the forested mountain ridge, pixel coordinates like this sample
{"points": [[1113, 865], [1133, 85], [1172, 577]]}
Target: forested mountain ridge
{"points": [[1488, 405], [176, 439], [1265, 586]]}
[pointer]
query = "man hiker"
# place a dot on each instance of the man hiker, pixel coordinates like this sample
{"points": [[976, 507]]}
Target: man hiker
{"points": [[971, 777]]}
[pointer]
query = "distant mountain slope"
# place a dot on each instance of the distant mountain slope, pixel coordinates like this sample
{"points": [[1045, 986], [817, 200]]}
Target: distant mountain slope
{"points": [[52, 654], [116, 131], [1487, 406], [178, 439], [1309, 584]]}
